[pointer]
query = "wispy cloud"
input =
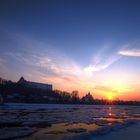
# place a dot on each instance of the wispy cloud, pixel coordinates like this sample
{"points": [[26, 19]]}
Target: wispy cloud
{"points": [[130, 52], [39, 62], [99, 67], [102, 59]]}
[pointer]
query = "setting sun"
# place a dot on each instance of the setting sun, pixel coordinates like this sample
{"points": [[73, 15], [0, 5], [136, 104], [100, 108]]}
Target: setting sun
{"points": [[110, 98]]}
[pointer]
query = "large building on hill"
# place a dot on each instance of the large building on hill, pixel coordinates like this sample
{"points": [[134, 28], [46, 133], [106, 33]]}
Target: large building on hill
{"points": [[35, 84]]}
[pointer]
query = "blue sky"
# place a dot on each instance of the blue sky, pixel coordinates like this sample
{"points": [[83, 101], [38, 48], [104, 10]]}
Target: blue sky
{"points": [[86, 44]]}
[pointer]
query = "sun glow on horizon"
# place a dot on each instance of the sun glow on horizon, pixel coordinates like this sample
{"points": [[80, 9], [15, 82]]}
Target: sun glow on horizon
{"points": [[110, 98]]}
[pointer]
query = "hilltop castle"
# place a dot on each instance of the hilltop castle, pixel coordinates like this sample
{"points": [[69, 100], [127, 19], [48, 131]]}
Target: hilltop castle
{"points": [[35, 84]]}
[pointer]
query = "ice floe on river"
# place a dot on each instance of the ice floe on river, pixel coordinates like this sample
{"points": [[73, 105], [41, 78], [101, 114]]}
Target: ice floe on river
{"points": [[64, 122]]}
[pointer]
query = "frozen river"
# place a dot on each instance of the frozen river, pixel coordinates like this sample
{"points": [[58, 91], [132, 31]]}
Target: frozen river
{"points": [[58, 121], [84, 113]]}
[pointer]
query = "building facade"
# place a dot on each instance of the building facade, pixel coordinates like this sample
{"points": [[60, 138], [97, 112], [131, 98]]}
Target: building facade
{"points": [[31, 84]]}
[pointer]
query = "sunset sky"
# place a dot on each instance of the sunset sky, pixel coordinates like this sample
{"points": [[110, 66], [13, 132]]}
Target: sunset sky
{"points": [[84, 45]]}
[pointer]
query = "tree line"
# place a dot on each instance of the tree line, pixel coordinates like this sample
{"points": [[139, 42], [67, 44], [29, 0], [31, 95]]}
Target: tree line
{"points": [[16, 92]]}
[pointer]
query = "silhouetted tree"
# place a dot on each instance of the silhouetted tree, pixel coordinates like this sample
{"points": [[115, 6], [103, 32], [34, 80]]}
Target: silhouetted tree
{"points": [[75, 96]]}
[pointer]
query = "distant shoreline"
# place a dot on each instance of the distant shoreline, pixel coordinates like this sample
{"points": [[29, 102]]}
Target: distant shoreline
{"points": [[69, 104]]}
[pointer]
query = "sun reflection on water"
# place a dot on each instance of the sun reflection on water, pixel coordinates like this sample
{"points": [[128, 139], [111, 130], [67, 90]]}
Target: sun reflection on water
{"points": [[110, 114]]}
